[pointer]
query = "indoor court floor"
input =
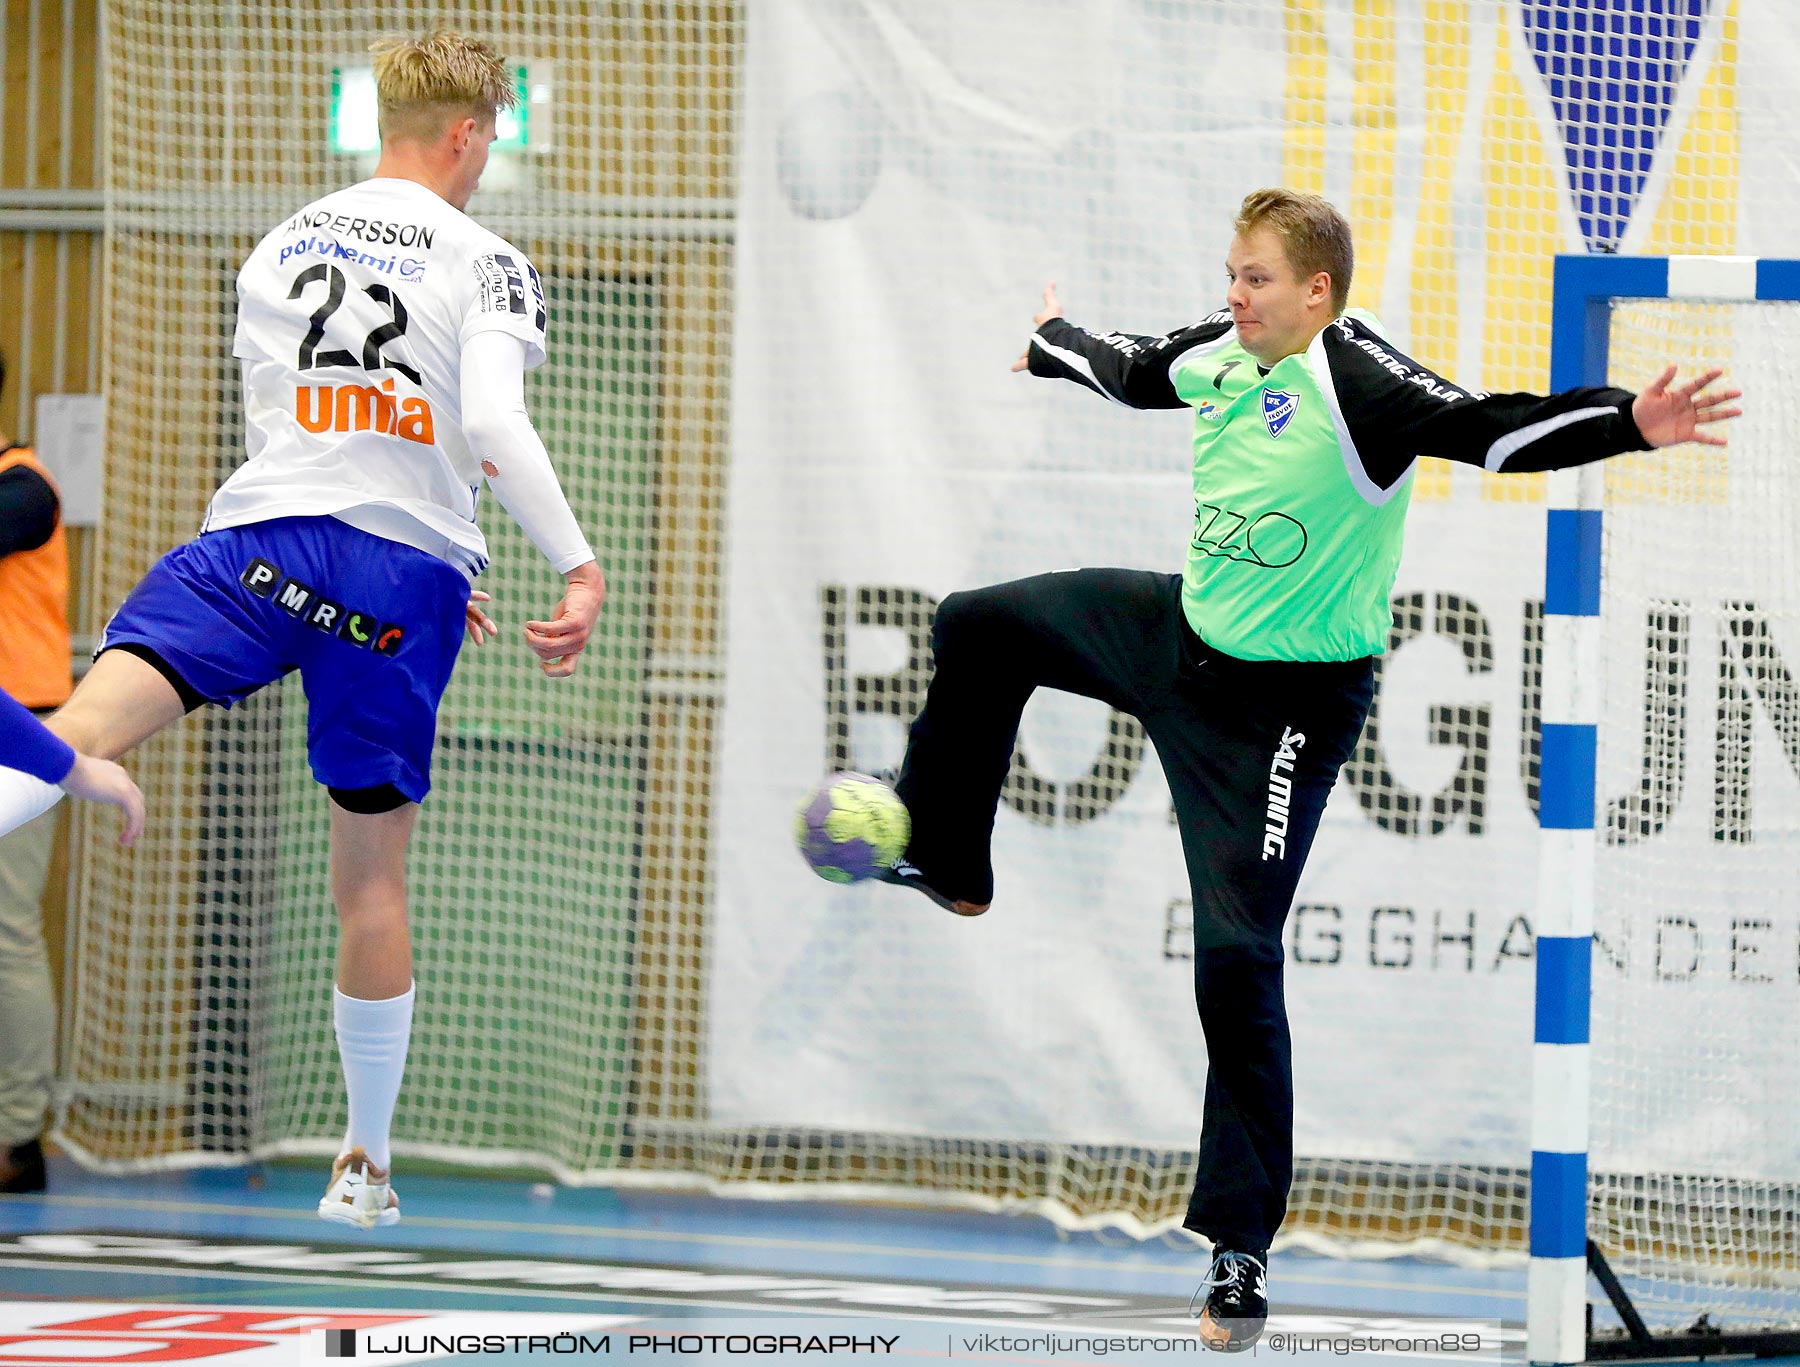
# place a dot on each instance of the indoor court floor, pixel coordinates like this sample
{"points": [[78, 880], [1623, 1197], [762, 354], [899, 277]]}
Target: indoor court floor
{"points": [[232, 1265]]}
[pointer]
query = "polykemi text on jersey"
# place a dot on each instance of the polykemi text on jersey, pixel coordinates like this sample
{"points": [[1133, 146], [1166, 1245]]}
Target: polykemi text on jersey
{"points": [[410, 267]]}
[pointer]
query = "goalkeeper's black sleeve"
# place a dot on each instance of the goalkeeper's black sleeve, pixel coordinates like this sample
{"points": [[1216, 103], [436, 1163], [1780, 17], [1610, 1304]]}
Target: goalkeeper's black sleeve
{"points": [[1390, 409], [1395, 410], [1127, 369]]}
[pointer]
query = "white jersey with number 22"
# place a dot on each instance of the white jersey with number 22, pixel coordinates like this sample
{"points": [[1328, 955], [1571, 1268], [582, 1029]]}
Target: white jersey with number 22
{"points": [[352, 316]]}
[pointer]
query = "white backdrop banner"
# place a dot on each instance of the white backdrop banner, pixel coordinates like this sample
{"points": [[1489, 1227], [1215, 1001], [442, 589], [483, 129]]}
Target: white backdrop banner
{"points": [[911, 177]]}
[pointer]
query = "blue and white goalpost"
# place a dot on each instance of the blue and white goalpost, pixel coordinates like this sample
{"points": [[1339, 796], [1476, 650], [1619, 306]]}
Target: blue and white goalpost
{"points": [[1586, 289]]}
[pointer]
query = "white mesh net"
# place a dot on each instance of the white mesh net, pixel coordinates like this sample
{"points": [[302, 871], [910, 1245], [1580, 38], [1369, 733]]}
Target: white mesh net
{"points": [[1696, 1020], [684, 176], [556, 879]]}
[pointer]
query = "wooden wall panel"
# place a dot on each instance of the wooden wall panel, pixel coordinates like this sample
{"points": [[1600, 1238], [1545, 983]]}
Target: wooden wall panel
{"points": [[50, 260], [49, 173]]}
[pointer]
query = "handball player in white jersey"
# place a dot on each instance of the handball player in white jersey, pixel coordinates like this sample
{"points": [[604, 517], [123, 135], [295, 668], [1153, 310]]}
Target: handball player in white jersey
{"points": [[384, 337]]}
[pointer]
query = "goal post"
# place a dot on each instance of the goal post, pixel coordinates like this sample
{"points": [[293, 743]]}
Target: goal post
{"points": [[1705, 1255]]}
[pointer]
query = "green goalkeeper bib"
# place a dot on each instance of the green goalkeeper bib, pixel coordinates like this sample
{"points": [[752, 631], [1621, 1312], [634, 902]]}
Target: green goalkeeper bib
{"points": [[1292, 558]]}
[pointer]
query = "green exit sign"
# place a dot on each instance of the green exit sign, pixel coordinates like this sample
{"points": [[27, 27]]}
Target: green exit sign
{"points": [[355, 127]]}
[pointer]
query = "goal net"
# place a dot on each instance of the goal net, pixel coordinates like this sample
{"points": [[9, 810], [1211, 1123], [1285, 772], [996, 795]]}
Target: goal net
{"points": [[1696, 1013], [790, 249], [558, 878]]}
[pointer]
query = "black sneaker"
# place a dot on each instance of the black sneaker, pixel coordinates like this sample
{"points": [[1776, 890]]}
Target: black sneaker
{"points": [[22, 1168], [908, 875], [1237, 1300]]}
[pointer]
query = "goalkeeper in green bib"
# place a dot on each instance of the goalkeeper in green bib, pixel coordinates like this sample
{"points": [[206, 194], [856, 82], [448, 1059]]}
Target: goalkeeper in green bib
{"points": [[1252, 671]]}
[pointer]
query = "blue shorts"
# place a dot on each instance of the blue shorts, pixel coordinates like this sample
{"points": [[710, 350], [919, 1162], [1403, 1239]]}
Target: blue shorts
{"points": [[372, 625]]}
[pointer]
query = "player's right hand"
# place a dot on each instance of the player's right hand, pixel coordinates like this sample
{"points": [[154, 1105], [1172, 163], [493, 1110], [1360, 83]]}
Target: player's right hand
{"points": [[100, 780], [476, 621], [559, 641], [1052, 309], [1666, 416]]}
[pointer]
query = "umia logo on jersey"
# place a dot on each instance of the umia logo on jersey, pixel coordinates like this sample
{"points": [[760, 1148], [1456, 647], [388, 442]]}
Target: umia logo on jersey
{"points": [[363, 408]]}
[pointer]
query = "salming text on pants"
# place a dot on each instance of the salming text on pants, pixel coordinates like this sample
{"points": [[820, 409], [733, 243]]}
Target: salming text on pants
{"points": [[1251, 750]]}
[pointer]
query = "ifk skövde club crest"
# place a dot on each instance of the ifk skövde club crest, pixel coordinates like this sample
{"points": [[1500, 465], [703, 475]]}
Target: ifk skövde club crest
{"points": [[1279, 408]]}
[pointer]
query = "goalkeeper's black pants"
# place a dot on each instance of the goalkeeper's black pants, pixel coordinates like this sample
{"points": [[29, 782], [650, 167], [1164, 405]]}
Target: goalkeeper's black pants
{"points": [[1251, 750]]}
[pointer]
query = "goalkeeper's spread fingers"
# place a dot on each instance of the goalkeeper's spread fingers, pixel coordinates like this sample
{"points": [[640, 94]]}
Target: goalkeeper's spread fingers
{"points": [[1699, 382]]}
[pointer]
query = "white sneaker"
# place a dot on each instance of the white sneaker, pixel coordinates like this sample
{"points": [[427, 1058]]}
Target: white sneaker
{"points": [[359, 1194]]}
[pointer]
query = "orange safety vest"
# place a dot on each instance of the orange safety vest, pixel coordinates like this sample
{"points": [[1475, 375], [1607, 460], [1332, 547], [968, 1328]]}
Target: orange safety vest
{"points": [[34, 610]]}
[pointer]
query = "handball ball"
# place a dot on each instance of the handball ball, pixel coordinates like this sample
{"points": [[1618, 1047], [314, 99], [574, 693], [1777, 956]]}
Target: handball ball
{"points": [[852, 828]]}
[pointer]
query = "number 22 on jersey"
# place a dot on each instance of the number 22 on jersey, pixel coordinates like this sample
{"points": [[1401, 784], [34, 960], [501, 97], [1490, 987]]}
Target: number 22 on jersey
{"points": [[356, 407]]}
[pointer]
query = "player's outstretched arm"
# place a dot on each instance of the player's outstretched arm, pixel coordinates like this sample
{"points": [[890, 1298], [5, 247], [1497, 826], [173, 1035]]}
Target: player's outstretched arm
{"points": [[1052, 309], [1395, 410], [1128, 369], [1668, 416]]}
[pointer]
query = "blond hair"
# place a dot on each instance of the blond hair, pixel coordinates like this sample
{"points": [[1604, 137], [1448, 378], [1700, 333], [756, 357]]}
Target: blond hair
{"points": [[423, 83], [1313, 234]]}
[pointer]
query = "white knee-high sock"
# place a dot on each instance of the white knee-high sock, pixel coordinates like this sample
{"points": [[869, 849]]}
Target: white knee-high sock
{"points": [[372, 1040], [24, 798]]}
